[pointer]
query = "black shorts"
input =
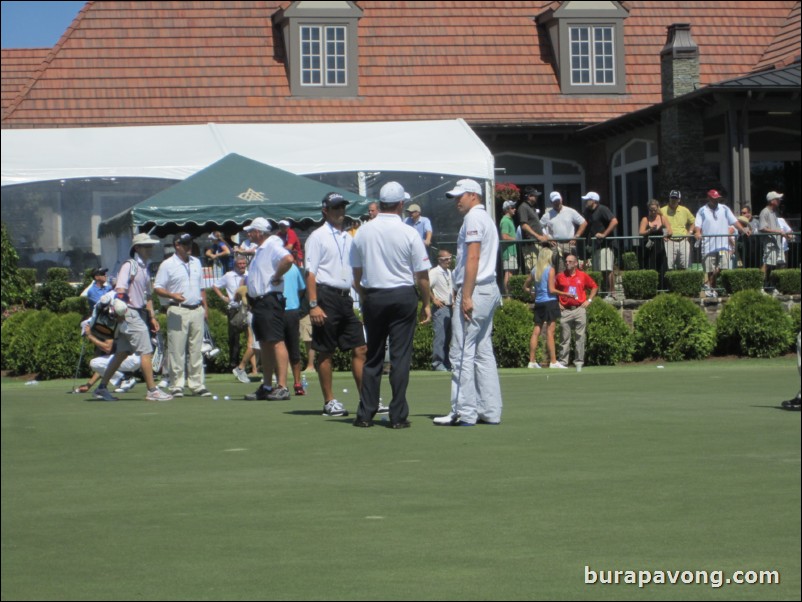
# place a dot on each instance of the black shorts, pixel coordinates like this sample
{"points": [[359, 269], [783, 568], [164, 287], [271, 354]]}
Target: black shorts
{"points": [[547, 312], [342, 328], [268, 318], [292, 334]]}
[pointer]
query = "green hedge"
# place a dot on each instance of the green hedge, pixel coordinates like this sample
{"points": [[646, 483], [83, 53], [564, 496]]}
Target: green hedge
{"points": [[687, 283], [640, 284], [741, 279], [674, 328], [755, 325], [512, 327], [796, 317], [596, 276], [20, 355], [11, 328], [58, 348], [79, 305], [788, 282], [629, 261], [516, 289], [610, 340], [61, 274]]}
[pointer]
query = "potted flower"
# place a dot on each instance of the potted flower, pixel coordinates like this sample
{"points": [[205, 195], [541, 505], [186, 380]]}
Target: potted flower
{"points": [[507, 192]]}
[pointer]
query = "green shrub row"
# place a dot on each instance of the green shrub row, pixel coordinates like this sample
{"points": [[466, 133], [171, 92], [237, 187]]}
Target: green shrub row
{"points": [[687, 283], [788, 282], [670, 327]]}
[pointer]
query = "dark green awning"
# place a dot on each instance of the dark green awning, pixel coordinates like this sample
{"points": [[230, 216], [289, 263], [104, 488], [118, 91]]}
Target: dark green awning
{"points": [[233, 191]]}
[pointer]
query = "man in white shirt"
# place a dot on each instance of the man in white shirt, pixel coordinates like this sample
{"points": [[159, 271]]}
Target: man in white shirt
{"points": [[475, 389], [442, 284], [266, 300], [712, 227], [388, 258], [564, 225], [331, 308], [226, 289], [179, 280], [772, 234]]}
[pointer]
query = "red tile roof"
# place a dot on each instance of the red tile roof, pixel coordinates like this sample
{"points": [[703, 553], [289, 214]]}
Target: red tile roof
{"points": [[19, 66], [785, 47], [130, 63]]}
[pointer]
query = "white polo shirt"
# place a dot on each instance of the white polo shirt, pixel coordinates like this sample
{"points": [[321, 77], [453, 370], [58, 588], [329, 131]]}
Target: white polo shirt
{"points": [[441, 283], [231, 281], [562, 224], [389, 253], [715, 226], [328, 256], [263, 267], [178, 276], [477, 227]]}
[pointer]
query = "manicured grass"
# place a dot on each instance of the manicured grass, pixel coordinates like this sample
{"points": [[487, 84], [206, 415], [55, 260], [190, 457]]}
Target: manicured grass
{"points": [[688, 467]]}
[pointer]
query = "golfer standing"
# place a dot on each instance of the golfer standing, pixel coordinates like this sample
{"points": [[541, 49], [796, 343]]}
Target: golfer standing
{"points": [[388, 257], [475, 389]]}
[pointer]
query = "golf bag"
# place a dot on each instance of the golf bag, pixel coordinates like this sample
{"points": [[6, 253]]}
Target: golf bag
{"points": [[158, 352], [208, 348]]}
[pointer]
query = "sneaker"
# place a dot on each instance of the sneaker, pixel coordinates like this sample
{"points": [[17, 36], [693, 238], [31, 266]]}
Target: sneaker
{"points": [[334, 408], [104, 394], [259, 395], [177, 392], [241, 375], [383, 409], [279, 394], [533, 365], [558, 365], [125, 386], [202, 392], [792, 404], [158, 395], [299, 389], [164, 383], [450, 420]]}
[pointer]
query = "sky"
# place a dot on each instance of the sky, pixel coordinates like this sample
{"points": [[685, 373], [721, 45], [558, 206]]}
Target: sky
{"points": [[36, 24]]}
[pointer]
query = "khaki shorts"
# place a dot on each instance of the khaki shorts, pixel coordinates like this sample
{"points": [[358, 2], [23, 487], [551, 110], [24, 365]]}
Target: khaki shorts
{"points": [[306, 328], [511, 264], [720, 260], [603, 260], [133, 336]]}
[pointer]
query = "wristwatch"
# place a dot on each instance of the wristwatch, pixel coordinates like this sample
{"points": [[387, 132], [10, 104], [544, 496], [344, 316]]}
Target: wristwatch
{"points": [[313, 304]]}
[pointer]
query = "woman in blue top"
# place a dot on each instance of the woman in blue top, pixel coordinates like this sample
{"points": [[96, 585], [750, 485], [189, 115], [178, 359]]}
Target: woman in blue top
{"points": [[547, 308]]}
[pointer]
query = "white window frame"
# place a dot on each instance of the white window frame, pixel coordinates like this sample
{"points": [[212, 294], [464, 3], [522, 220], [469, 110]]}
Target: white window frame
{"points": [[595, 51], [328, 50]]}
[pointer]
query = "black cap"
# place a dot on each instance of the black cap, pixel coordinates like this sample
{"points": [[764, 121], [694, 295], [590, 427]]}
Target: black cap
{"points": [[334, 199], [182, 238], [531, 191], [99, 272]]}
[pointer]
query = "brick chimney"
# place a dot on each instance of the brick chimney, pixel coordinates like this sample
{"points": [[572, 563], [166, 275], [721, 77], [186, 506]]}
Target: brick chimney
{"points": [[679, 62]]}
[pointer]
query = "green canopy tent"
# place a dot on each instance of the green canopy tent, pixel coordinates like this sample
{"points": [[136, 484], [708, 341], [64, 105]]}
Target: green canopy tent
{"points": [[227, 195]]}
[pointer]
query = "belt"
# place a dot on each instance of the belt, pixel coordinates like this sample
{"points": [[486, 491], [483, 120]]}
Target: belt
{"points": [[342, 292], [185, 305], [253, 300]]}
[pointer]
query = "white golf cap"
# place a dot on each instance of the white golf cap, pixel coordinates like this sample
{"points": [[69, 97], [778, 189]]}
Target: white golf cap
{"points": [[555, 196], [773, 196], [284, 222], [119, 307], [591, 196], [260, 224], [464, 186], [391, 193]]}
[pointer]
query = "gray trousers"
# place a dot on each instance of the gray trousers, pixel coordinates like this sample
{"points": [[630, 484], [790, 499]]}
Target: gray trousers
{"points": [[475, 389], [441, 324], [575, 320]]}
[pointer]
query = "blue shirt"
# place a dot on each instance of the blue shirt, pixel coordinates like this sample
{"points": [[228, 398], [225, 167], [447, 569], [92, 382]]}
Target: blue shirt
{"points": [[423, 225], [542, 294], [95, 292], [293, 285]]}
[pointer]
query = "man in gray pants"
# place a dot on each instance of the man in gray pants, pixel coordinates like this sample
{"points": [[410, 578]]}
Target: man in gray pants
{"points": [[441, 282]]}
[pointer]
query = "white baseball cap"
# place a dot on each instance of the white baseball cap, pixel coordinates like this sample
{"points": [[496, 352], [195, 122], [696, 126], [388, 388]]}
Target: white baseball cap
{"points": [[555, 196], [591, 196], [773, 196], [260, 224], [392, 192], [464, 186], [284, 222]]}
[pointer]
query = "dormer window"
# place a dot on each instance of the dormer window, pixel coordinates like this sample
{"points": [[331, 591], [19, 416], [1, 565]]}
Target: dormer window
{"points": [[321, 48], [588, 46]]}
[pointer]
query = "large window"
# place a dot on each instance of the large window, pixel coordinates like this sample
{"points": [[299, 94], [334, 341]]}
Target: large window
{"points": [[321, 48], [323, 56], [592, 56]]}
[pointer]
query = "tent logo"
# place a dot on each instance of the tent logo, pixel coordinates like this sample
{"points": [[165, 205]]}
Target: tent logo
{"points": [[251, 195]]}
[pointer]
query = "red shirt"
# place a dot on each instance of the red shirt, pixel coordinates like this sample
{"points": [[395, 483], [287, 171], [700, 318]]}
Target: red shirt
{"points": [[574, 284], [291, 238]]}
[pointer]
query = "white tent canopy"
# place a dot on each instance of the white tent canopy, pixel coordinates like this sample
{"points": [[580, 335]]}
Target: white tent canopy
{"points": [[178, 151]]}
